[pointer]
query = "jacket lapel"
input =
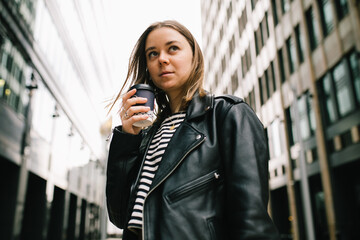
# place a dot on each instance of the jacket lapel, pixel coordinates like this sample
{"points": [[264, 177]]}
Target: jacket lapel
{"points": [[185, 139]]}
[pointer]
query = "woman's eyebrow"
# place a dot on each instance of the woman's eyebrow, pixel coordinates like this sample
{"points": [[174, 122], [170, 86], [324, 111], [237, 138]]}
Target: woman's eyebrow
{"points": [[171, 42], [168, 43], [149, 48]]}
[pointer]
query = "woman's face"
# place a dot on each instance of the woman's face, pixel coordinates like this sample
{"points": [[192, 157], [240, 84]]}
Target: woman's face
{"points": [[169, 57]]}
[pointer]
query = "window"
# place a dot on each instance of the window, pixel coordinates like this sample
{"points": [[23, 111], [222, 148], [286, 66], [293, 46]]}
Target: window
{"points": [[291, 53], [261, 91], [216, 81], [262, 34], [342, 8], [248, 58], [285, 6], [246, 62], [264, 28], [222, 32], [339, 89], [275, 139], [343, 89], [305, 121], [329, 99], [232, 45], [253, 4], [234, 82], [307, 116], [257, 48], [243, 65], [229, 11], [264, 88], [272, 76], [355, 74], [327, 17], [252, 99], [12, 77], [223, 64], [312, 28], [281, 64], [299, 44], [266, 25], [242, 21], [274, 9], [267, 83]]}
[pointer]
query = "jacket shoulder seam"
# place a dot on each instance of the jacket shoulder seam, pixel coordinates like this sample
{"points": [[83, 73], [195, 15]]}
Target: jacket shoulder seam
{"points": [[230, 98]]}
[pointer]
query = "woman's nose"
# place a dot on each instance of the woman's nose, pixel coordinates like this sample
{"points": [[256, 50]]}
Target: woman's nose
{"points": [[163, 58]]}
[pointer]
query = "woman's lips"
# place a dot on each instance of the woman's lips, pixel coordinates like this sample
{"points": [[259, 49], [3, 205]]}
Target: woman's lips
{"points": [[165, 74]]}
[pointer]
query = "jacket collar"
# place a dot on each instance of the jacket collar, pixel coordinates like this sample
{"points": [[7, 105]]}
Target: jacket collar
{"points": [[200, 105]]}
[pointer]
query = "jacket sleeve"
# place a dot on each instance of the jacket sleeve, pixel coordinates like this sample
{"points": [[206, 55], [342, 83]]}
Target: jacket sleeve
{"points": [[122, 161], [245, 155]]}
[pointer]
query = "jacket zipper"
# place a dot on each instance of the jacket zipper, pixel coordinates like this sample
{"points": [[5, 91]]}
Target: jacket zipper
{"points": [[151, 190], [199, 184]]}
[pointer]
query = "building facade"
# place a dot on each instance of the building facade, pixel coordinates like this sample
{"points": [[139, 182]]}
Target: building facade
{"points": [[296, 63], [52, 132]]}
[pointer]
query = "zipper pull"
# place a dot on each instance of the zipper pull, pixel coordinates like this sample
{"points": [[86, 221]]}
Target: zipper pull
{"points": [[216, 175]]}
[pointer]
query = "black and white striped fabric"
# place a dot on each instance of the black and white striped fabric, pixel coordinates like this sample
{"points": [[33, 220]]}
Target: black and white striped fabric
{"points": [[152, 160]]}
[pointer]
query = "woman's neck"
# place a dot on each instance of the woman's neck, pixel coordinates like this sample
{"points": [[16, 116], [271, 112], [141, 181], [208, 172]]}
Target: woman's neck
{"points": [[175, 103]]}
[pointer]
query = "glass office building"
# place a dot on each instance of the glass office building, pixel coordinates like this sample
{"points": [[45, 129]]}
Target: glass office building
{"points": [[52, 132], [296, 63]]}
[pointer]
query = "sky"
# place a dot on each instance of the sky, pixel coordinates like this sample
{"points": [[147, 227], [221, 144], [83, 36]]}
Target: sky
{"points": [[131, 18]]}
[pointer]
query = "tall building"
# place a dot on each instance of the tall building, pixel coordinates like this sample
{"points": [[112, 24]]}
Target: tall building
{"points": [[296, 63], [54, 72]]}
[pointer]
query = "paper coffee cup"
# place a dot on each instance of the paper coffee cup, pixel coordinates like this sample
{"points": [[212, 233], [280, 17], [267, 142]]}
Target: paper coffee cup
{"points": [[145, 91]]}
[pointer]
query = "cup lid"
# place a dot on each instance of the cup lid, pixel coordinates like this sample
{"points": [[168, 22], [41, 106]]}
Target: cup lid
{"points": [[142, 86]]}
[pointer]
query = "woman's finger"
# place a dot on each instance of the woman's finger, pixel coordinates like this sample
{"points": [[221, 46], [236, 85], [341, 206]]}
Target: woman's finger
{"points": [[136, 109], [128, 95]]}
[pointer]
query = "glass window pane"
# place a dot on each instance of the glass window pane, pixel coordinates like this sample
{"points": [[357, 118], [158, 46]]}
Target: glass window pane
{"points": [[292, 127], [311, 113], [355, 71], [274, 9], [341, 8], [326, 16], [343, 89], [330, 105], [303, 118], [281, 65], [291, 53], [275, 138], [285, 6], [313, 28], [299, 43]]}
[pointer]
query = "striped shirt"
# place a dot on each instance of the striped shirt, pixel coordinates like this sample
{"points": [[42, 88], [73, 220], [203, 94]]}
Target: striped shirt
{"points": [[152, 160]]}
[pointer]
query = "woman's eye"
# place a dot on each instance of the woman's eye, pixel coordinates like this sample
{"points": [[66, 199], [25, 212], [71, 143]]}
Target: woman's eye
{"points": [[152, 54], [173, 48]]}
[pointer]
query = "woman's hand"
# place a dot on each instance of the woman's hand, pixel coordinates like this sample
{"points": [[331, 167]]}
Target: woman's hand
{"points": [[128, 113]]}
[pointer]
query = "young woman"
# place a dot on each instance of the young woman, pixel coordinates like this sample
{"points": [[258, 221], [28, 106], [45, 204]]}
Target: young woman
{"points": [[200, 171]]}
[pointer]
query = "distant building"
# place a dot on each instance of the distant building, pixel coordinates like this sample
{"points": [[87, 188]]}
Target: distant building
{"points": [[296, 63], [52, 154]]}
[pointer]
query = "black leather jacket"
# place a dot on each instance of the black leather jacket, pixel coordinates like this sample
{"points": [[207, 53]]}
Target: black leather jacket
{"points": [[212, 182]]}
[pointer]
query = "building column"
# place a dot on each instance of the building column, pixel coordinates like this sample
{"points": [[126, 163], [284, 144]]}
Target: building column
{"points": [[354, 9], [23, 172], [290, 183], [66, 215], [20, 200]]}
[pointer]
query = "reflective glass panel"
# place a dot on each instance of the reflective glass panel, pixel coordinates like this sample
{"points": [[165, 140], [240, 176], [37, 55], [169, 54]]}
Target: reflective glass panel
{"points": [[343, 90], [354, 63], [330, 106]]}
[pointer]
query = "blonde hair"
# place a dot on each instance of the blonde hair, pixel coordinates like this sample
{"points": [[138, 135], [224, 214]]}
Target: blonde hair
{"points": [[137, 69]]}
